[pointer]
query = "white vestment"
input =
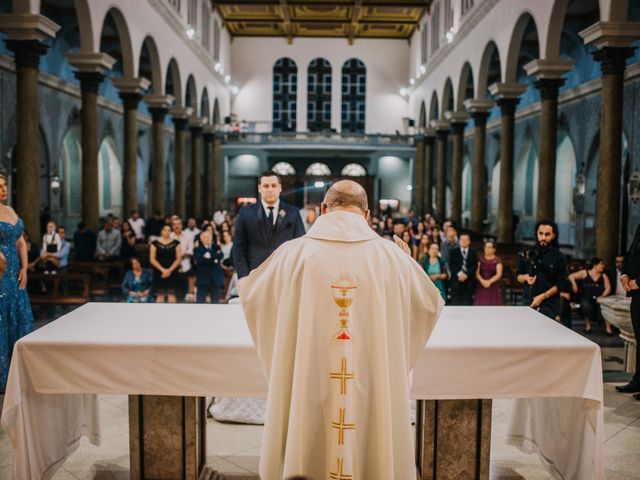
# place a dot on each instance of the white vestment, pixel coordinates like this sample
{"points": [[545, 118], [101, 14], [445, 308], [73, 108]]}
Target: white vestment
{"points": [[339, 317]]}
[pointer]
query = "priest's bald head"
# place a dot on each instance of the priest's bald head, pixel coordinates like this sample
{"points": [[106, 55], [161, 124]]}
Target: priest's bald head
{"points": [[346, 196]]}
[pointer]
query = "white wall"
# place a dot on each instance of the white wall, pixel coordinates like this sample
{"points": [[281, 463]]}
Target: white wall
{"points": [[387, 63]]}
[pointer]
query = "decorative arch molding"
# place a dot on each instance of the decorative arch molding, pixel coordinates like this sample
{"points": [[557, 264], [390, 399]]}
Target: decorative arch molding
{"points": [[515, 44], [85, 27], [126, 47], [154, 60], [490, 50]]}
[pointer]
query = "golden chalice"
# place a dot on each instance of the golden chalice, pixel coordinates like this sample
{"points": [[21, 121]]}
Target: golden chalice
{"points": [[343, 293]]}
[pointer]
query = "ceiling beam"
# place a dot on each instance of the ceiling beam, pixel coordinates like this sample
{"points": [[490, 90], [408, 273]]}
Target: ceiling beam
{"points": [[250, 20], [288, 28]]}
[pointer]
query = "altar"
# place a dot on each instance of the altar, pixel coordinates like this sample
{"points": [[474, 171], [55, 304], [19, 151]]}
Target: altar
{"points": [[192, 351]]}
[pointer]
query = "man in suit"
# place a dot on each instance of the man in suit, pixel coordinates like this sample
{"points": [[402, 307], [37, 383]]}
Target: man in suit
{"points": [[264, 226], [631, 283], [209, 274], [463, 263]]}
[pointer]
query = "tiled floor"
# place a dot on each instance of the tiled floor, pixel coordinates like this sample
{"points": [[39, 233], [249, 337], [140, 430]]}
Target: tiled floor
{"points": [[234, 449]]}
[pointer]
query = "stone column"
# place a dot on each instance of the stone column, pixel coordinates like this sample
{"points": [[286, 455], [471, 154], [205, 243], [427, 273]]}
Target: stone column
{"points": [[549, 74], [25, 33], [209, 136], [613, 40], [418, 184], [479, 112], [131, 92], [458, 123], [507, 99], [217, 169], [180, 121], [195, 126], [429, 155], [90, 73], [442, 132], [159, 107]]}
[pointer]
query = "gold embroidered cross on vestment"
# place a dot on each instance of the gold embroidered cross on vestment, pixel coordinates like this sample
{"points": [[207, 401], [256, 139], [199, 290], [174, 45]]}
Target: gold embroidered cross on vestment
{"points": [[339, 475], [342, 375], [341, 426]]}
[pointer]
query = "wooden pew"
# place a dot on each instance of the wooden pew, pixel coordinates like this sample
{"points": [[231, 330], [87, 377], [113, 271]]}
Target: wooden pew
{"points": [[77, 286]]}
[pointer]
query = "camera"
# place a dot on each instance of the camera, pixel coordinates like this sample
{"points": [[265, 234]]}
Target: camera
{"points": [[530, 258]]}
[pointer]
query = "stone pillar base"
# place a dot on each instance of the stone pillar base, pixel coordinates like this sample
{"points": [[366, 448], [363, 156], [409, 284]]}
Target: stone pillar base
{"points": [[167, 437], [453, 439]]}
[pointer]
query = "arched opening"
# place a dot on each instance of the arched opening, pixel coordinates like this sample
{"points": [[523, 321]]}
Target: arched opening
{"points": [[67, 39], [150, 65], [205, 110], [318, 169], [579, 15], [353, 170], [354, 94], [283, 168], [524, 47], [172, 82], [465, 88], [71, 177], [319, 95], [433, 107], [447, 97], [169, 178], [216, 114], [566, 170], [495, 191], [115, 41], [525, 191], [422, 119], [191, 95], [490, 70], [109, 178], [285, 90], [467, 180]]}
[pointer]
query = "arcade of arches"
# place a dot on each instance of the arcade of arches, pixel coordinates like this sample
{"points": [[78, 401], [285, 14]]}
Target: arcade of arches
{"points": [[493, 130]]}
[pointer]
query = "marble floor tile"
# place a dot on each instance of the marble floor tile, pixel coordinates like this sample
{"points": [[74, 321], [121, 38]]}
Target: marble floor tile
{"points": [[226, 439], [225, 466]]}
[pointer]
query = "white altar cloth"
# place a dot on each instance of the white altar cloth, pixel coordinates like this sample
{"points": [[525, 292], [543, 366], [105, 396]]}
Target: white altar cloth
{"points": [[199, 350]]}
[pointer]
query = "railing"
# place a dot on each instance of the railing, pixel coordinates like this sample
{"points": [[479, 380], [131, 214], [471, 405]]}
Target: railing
{"points": [[317, 138]]}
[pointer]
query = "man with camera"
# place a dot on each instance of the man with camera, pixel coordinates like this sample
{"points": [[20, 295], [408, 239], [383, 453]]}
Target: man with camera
{"points": [[543, 271]]}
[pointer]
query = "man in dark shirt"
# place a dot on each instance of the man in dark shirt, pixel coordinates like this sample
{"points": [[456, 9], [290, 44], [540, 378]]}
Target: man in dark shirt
{"points": [[84, 242], [545, 274], [463, 263], [154, 225], [630, 279]]}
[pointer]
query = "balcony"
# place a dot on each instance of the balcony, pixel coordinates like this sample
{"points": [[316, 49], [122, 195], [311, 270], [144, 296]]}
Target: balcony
{"points": [[320, 140]]}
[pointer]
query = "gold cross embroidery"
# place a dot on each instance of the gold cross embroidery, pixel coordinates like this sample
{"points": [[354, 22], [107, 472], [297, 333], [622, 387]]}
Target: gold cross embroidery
{"points": [[343, 376], [339, 475], [341, 427]]}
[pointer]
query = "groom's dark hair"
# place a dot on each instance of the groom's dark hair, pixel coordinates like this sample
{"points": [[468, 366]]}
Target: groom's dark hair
{"points": [[269, 173]]}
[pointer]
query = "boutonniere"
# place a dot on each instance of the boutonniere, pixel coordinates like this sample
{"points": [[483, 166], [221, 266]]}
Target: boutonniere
{"points": [[281, 213]]}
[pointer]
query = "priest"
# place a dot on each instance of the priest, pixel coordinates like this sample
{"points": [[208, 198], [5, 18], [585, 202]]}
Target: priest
{"points": [[339, 318]]}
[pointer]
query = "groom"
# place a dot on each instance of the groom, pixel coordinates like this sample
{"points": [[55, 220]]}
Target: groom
{"points": [[264, 226]]}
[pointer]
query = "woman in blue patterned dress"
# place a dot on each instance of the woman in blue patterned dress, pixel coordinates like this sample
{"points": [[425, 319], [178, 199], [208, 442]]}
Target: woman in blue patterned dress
{"points": [[16, 319]]}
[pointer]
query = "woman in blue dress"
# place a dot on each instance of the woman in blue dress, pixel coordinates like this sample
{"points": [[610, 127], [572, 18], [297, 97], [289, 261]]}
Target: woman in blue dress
{"points": [[16, 319]]}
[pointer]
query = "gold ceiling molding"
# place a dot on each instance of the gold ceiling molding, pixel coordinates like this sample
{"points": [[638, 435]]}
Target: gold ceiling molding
{"points": [[322, 18]]}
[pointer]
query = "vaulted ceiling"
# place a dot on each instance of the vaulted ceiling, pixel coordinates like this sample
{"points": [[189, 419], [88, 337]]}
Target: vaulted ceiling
{"points": [[322, 18]]}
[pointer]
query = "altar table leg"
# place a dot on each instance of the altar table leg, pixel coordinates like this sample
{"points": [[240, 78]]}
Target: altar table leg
{"points": [[167, 437], [453, 439]]}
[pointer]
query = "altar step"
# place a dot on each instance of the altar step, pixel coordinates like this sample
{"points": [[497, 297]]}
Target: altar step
{"points": [[209, 474]]}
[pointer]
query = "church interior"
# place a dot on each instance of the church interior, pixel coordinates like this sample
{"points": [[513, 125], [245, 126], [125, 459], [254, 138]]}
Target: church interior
{"points": [[485, 115]]}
